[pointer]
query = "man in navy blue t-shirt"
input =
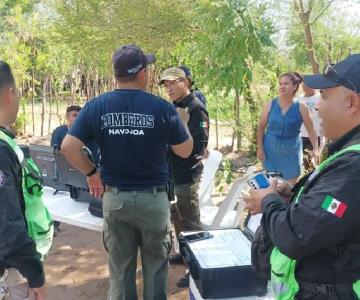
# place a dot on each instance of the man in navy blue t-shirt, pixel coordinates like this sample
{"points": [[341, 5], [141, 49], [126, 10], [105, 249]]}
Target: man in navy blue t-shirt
{"points": [[134, 131], [58, 136], [60, 132]]}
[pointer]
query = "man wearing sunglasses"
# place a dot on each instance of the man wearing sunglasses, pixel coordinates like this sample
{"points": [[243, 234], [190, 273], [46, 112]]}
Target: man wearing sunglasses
{"points": [[316, 238]]}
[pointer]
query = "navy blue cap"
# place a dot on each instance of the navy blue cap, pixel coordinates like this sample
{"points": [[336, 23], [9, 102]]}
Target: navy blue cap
{"points": [[187, 71], [345, 73], [129, 60]]}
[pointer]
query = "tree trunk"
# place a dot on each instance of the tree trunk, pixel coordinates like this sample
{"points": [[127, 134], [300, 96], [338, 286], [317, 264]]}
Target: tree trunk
{"points": [[50, 104], [23, 107], [32, 99], [72, 88], [96, 85], [216, 131], [237, 120], [43, 102], [57, 102], [310, 48], [110, 83], [305, 20], [253, 108], [329, 58]]}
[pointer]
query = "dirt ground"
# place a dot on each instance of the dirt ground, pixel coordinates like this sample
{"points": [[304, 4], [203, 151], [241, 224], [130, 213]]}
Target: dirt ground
{"points": [[76, 268]]}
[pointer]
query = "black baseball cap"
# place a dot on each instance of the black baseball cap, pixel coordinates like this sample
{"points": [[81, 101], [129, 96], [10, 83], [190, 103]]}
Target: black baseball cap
{"points": [[345, 73], [187, 71], [129, 60]]}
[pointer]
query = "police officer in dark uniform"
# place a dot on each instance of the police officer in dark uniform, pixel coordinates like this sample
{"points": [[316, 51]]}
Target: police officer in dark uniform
{"points": [[316, 237], [134, 130], [186, 172], [21, 271]]}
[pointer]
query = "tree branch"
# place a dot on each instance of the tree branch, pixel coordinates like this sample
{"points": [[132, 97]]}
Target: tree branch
{"points": [[322, 12]]}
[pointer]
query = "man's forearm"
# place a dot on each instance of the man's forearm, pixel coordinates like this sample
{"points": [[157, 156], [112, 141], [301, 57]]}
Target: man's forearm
{"points": [[74, 153], [260, 136]]}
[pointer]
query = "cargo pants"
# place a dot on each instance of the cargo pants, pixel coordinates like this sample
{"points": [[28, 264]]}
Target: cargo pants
{"points": [[185, 213], [133, 220]]}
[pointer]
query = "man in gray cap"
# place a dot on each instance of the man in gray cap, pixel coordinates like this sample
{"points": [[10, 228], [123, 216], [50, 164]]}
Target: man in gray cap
{"points": [[316, 236], [134, 130], [187, 171]]}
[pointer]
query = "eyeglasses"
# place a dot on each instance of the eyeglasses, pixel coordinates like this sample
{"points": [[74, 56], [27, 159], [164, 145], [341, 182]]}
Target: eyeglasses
{"points": [[171, 83], [330, 71]]}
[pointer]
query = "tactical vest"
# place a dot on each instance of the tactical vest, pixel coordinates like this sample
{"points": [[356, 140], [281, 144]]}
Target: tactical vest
{"points": [[39, 222], [283, 279]]}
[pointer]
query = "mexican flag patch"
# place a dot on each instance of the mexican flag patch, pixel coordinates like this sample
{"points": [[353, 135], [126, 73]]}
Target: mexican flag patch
{"points": [[204, 125], [334, 206]]}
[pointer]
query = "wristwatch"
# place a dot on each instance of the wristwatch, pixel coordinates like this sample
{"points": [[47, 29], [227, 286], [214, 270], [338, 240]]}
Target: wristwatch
{"points": [[92, 172]]}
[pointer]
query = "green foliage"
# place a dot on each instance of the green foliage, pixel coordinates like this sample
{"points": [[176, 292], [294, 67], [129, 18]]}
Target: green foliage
{"points": [[22, 120], [330, 46], [96, 28], [225, 176], [228, 44], [230, 36]]}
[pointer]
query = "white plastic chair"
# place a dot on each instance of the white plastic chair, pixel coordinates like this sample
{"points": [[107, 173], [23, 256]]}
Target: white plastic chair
{"points": [[211, 165], [225, 216]]}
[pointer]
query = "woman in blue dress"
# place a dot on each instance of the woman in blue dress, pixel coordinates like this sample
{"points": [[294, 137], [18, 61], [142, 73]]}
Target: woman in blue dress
{"points": [[279, 144]]}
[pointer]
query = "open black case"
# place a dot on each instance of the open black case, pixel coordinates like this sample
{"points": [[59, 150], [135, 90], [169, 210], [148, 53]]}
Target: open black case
{"points": [[43, 157], [220, 264], [77, 184], [57, 173]]}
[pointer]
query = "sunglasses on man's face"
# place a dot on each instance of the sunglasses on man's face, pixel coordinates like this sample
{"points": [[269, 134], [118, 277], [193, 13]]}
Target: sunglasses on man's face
{"points": [[329, 70]]}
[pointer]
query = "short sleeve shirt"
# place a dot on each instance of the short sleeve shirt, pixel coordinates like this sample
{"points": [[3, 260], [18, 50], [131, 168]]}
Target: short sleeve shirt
{"points": [[134, 130], [311, 103], [59, 134]]}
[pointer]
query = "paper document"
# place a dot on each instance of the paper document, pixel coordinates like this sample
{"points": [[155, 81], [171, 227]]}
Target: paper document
{"points": [[226, 248]]}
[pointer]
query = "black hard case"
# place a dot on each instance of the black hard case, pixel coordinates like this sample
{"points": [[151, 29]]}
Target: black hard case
{"points": [[223, 282]]}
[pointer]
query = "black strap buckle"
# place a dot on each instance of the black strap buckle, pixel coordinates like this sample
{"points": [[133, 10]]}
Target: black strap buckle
{"points": [[324, 289]]}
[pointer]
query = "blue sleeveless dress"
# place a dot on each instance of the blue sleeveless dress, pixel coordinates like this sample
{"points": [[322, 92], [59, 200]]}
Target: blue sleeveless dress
{"points": [[282, 142]]}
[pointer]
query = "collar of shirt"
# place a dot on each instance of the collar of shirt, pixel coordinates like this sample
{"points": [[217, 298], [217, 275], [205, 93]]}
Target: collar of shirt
{"points": [[350, 138], [185, 101], [10, 134]]}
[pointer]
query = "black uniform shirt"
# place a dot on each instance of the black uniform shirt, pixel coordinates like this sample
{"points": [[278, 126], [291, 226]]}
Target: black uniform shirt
{"points": [[186, 170], [310, 230], [17, 250]]}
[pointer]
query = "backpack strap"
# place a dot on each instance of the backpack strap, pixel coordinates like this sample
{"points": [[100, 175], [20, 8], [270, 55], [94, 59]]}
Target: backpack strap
{"points": [[315, 174], [12, 144]]}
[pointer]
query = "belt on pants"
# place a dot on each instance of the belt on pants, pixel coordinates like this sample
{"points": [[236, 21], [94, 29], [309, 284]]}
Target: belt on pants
{"points": [[154, 189]]}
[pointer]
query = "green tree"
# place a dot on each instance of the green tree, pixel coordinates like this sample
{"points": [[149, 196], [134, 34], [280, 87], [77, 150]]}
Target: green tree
{"points": [[229, 37]]}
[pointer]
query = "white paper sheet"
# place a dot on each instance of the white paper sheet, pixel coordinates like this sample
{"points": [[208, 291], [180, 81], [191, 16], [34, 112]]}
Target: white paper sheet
{"points": [[226, 248]]}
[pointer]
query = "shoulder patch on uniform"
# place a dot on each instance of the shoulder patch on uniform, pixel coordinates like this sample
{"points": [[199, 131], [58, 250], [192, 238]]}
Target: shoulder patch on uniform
{"points": [[204, 124], [2, 178], [334, 206]]}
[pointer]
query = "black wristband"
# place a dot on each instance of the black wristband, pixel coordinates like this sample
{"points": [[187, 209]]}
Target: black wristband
{"points": [[92, 172]]}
